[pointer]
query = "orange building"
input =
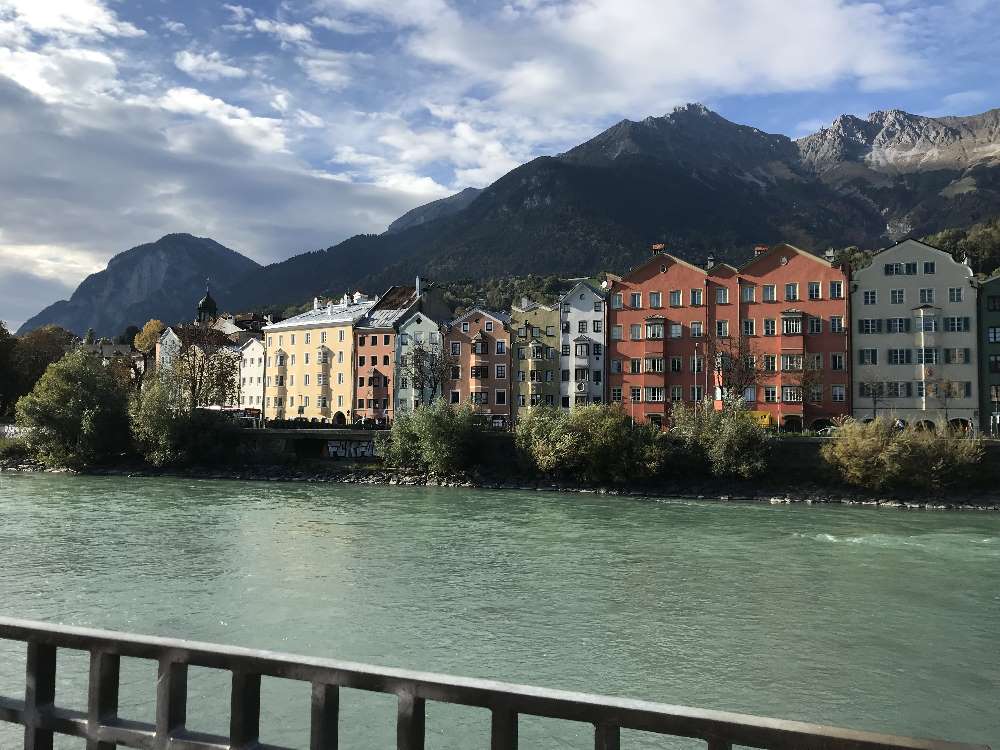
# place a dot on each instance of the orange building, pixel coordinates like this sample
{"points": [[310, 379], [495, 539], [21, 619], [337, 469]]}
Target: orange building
{"points": [[478, 344], [675, 331], [656, 337], [375, 353], [788, 308]]}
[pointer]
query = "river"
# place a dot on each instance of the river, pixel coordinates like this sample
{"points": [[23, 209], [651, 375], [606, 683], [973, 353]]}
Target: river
{"points": [[870, 619]]}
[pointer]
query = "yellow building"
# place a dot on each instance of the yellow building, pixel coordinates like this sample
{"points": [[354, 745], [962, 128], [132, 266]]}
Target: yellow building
{"points": [[309, 362]]}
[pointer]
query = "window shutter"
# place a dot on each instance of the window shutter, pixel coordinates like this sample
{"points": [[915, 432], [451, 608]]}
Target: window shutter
{"points": [[909, 389], [878, 325], [968, 354], [947, 356], [861, 326], [968, 389], [965, 324], [874, 356], [909, 357], [888, 269], [861, 356], [906, 324]]}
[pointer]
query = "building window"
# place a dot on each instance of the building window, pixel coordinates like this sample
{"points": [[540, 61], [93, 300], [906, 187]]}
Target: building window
{"points": [[770, 394], [836, 361], [722, 328], [616, 394], [815, 325], [696, 329], [748, 327], [994, 363], [676, 330], [616, 301], [867, 356], [675, 298], [770, 362], [456, 348], [654, 364], [616, 332], [927, 296], [770, 293], [816, 394], [870, 297], [927, 356], [501, 347], [791, 394], [993, 335], [869, 325], [635, 300], [635, 394], [654, 394], [676, 393], [596, 326], [456, 372], [791, 326], [926, 325], [635, 366], [722, 295], [900, 356], [501, 372], [697, 393], [635, 332], [654, 330], [959, 356], [791, 362], [815, 290], [956, 325], [676, 364], [929, 267], [955, 294], [500, 398], [489, 327], [583, 350], [791, 292], [697, 363], [598, 306], [581, 326], [897, 325], [836, 290], [655, 300], [770, 328], [696, 297], [748, 293]]}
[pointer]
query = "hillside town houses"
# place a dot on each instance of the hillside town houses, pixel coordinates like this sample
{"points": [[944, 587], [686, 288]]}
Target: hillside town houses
{"points": [[800, 339]]}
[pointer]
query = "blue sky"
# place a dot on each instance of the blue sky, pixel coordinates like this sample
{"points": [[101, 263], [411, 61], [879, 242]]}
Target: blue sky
{"points": [[279, 127]]}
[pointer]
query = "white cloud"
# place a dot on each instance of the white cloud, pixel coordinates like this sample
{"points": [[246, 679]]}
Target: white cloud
{"points": [[342, 26], [265, 133], [210, 67], [174, 27], [67, 74], [329, 68], [240, 13], [70, 18], [286, 32]]}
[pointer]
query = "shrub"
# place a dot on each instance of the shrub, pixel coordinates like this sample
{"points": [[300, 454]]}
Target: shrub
{"points": [[725, 442], [76, 414], [875, 455], [439, 437], [167, 432], [14, 449]]}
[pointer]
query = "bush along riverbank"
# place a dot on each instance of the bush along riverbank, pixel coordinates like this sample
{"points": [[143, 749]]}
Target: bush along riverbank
{"points": [[707, 452]]}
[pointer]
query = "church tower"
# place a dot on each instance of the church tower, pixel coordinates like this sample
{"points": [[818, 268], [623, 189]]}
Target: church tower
{"points": [[208, 311]]}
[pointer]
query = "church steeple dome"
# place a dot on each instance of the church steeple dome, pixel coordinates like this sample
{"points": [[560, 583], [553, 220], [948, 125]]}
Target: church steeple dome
{"points": [[207, 309]]}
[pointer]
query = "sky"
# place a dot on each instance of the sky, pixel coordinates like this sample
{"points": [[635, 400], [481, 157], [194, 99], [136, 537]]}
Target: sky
{"points": [[278, 127]]}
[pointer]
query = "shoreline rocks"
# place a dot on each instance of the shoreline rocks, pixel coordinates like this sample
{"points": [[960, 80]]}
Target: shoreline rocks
{"points": [[708, 490]]}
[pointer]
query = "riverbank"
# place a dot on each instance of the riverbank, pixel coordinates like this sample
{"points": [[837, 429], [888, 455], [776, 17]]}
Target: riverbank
{"points": [[695, 489]]}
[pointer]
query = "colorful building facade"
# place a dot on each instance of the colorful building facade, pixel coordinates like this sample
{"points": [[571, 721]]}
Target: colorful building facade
{"points": [[786, 310], [478, 346], [989, 356], [309, 362], [375, 354], [420, 383], [535, 355], [915, 334], [582, 345]]}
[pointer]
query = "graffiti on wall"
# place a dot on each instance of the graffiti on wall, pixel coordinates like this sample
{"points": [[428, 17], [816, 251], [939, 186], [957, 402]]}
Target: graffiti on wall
{"points": [[350, 448]]}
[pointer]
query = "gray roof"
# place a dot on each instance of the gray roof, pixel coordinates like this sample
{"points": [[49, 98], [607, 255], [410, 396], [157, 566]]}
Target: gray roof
{"points": [[331, 315]]}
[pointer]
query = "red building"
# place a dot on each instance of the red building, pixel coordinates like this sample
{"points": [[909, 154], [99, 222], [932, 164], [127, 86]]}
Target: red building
{"points": [[656, 337], [789, 309], [375, 353], [775, 332], [478, 344]]}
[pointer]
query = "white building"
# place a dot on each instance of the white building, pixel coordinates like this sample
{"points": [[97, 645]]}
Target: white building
{"points": [[252, 375], [582, 313], [914, 325], [417, 330]]}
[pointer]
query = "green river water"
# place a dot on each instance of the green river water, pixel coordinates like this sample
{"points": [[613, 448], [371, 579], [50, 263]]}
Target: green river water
{"points": [[871, 619]]}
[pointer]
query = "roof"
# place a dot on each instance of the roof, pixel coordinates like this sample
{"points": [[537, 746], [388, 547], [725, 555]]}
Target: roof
{"points": [[532, 305], [500, 316], [250, 342], [784, 247], [330, 315], [586, 284], [659, 258], [193, 334], [390, 309]]}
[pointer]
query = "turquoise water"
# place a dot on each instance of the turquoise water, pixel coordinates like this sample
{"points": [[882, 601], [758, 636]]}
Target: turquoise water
{"points": [[871, 619]]}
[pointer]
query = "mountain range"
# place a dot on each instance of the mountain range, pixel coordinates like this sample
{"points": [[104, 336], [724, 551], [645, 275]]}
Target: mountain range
{"points": [[691, 179]]}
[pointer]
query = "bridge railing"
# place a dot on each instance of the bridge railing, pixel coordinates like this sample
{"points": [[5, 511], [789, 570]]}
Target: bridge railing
{"points": [[102, 728]]}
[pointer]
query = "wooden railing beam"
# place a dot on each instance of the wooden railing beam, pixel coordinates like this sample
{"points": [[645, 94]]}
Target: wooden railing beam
{"points": [[102, 695], [39, 694], [324, 725], [410, 723]]}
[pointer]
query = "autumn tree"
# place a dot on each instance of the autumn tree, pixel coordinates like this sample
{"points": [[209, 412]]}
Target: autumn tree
{"points": [[145, 340], [736, 363], [426, 368], [206, 367]]}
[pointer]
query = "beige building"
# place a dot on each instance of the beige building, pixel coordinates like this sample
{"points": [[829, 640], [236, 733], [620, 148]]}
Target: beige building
{"points": [[309, 362]]}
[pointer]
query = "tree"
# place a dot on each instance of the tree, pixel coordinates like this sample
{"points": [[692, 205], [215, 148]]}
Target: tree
{"points": [[426, 369], [871, 390], [208, 369], [145, 340], [90, 337], [8, 373], [726, 442], [35, 351], [128, 336], [440, 438], [76, 414], [944, 390], [737, 365]]}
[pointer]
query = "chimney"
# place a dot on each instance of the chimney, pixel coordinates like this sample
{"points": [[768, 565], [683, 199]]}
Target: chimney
{"points": [[418, 286], [759, 250], [829, 254], [315, 303], [710, 262], [659, 247], [524, 303]]}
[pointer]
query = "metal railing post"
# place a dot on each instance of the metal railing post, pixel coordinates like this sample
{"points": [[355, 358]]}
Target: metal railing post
{"points": [[607, 737], [171, 699], [244, 715], [410, 720], [39, 694], [503, 732], [323, 733], [102, 695]]}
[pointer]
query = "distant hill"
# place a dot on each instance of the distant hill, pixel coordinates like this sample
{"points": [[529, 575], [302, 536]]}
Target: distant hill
{"points": [[162, 279], [691, 179]]}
